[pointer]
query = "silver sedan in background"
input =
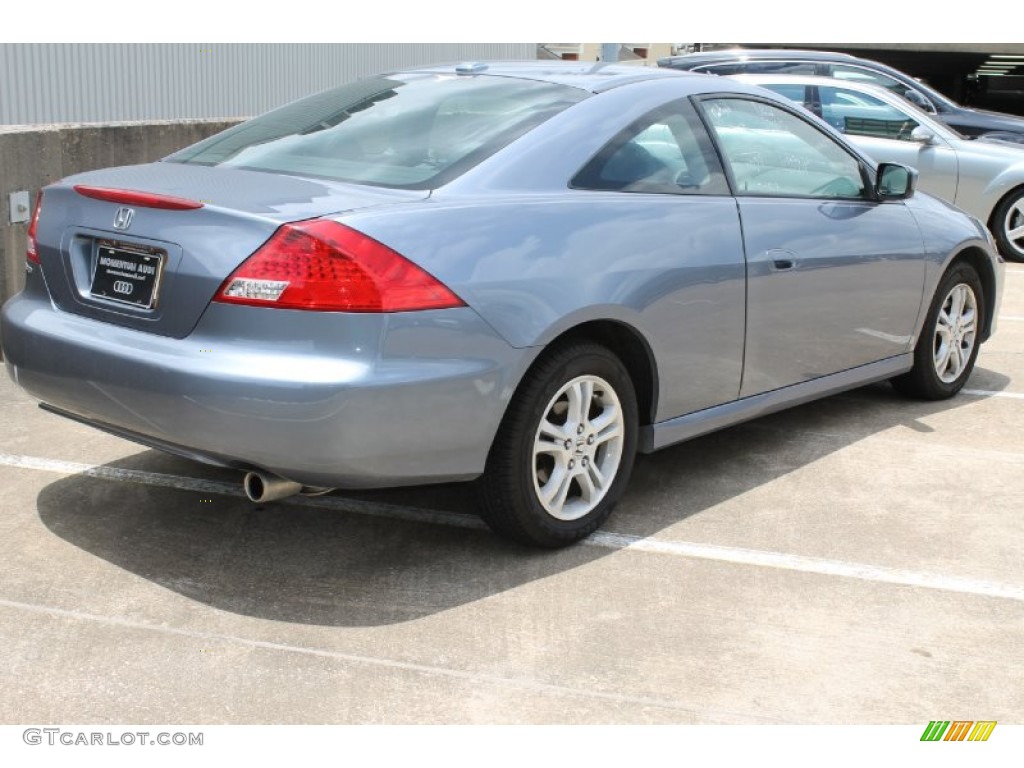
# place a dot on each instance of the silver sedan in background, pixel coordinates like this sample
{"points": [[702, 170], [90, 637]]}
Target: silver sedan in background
{"points": [[983, 176], [523, 273]]}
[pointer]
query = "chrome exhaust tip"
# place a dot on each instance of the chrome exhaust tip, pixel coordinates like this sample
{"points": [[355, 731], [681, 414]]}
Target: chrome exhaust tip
{"points": [[261, 487]]}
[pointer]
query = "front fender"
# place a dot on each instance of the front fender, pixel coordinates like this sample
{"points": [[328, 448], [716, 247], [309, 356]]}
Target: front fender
{"points": [[949, 234]]}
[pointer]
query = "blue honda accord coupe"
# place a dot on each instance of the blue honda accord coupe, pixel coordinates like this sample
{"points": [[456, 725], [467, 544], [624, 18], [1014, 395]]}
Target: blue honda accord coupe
{"points": [[518, 272]]}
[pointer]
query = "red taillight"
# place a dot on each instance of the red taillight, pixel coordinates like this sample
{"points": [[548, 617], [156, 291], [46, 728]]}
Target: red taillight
{"points": [[31, 254], [326, 266], [139, 199]]}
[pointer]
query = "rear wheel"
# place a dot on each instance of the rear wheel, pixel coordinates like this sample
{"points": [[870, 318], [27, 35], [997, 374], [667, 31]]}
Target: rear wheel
{"points": [[945, 353], [1008, 226], [565, 449]]}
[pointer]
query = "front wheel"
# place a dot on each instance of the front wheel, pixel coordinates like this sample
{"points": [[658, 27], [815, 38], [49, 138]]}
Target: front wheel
{"points": [[1008, 226], [945, 353], [565, 449]]}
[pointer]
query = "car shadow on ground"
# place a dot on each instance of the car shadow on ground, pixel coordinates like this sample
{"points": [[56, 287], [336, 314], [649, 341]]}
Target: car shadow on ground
{"points": [[326, 566]]}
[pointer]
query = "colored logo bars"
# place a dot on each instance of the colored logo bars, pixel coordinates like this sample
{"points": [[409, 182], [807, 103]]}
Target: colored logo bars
{"points": [[958, 730]]}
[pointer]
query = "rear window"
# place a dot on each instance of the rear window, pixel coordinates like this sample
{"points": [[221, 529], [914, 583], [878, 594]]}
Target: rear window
{"points": [[413, 131]]}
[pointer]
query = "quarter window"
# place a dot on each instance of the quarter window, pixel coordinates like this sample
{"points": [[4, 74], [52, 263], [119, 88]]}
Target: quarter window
{"points": [[665, 152], [771, 151]]}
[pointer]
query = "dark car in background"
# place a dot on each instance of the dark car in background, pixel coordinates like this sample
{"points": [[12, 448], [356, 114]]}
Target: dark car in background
{"points": [[842, 66]]}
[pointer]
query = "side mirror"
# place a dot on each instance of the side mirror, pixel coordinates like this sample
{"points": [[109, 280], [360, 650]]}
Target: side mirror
{"points": [[894, 181], [922, 135], [918, 100]]}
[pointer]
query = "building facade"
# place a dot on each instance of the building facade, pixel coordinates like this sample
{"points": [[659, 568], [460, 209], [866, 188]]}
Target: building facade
{"points": [[110, 82]]}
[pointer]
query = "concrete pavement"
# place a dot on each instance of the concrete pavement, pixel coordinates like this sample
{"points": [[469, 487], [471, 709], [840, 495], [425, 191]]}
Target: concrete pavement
{"points": [[855, 560]]}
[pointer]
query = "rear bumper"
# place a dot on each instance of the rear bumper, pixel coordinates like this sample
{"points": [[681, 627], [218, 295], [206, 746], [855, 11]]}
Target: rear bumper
{"points": [[323, 399]]}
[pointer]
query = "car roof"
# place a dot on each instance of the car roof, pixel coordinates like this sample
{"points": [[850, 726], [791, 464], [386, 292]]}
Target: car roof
{"points": [[796, 54], [586, 75], [853, 85], [732, 54]]}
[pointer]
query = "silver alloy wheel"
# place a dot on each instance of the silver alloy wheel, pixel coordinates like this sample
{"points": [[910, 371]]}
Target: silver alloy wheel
{"points": [[577, 448], [1013, 226], [955, 332]]}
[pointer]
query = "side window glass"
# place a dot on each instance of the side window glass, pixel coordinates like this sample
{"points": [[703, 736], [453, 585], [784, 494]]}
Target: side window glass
{"points": [[859, 114], [771, 151], [666, 152], [782, 67], [795, 93], [721, 69], [761, 67], [857, 74]]}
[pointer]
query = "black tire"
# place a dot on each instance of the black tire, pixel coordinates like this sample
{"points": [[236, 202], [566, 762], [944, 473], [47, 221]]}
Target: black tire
{"points": [[1009, 215], [925, 380], [516, 475]]}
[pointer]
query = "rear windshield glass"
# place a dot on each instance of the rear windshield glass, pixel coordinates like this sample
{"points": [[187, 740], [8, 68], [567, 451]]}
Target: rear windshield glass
{"points": [[414, 131]]}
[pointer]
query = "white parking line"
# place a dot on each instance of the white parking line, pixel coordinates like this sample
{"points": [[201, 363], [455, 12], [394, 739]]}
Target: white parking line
{"points": [[603, 539], [1014, 318], [768, 559]]}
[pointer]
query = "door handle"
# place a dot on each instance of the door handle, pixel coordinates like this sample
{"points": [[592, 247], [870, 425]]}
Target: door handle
{"points": [[780, 259]]}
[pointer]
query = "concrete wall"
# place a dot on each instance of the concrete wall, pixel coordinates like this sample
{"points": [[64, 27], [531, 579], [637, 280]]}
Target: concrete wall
{"points": [[36, 155]]}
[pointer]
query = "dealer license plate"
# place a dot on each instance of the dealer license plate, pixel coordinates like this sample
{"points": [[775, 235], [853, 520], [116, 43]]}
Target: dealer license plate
{"points": [[127, 273]]}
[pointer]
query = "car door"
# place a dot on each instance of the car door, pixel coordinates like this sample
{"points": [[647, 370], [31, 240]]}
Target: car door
{"points": [[884, 132], [667, 210], [834, 278]]}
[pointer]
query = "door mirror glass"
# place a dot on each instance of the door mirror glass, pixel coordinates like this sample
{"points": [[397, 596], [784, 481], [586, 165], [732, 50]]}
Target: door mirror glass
{"points": [[894, 181]]}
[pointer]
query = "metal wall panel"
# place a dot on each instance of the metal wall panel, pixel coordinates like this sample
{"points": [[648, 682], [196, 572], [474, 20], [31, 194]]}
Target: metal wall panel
{"points": [[80, 82]]}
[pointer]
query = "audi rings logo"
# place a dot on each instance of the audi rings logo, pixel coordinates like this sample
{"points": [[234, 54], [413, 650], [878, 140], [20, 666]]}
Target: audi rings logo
{"points": [[123, 287]]}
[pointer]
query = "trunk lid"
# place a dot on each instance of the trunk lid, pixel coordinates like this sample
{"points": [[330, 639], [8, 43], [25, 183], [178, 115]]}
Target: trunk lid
{"points": [[160, 272]]}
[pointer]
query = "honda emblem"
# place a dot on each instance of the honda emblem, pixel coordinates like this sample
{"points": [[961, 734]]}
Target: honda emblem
{"points": [[123, 218]]}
